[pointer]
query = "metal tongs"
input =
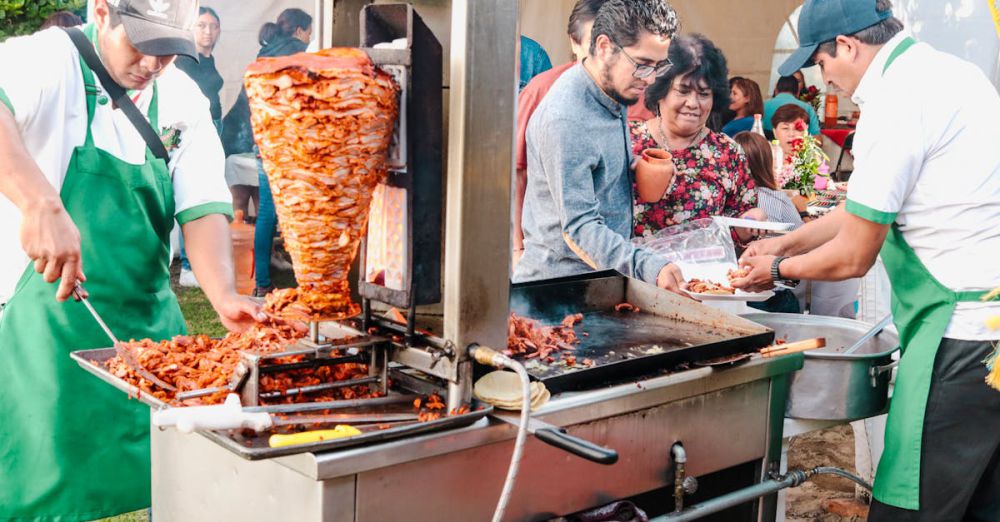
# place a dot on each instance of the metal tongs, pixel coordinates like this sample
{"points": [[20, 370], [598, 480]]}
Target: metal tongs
{"points": [[79, 294]]}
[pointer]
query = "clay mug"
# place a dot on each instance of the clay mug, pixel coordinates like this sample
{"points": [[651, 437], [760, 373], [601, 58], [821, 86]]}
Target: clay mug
{"points": [[657, 162], [657, 167]]}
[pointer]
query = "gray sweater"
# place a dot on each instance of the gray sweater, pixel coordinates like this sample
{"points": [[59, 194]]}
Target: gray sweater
{"points": [[577, 214]]}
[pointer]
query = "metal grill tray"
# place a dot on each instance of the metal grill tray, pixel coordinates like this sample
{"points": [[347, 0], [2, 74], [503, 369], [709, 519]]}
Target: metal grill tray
{"points": [[669, 330], [255, 447]]}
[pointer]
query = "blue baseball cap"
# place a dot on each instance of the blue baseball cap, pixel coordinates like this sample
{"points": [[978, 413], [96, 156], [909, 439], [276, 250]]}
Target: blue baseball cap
{"points": [[823, 20]]}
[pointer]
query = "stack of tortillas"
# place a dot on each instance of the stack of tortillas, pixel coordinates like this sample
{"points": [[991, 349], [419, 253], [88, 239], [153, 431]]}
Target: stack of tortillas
{"points": [[503, 390]]}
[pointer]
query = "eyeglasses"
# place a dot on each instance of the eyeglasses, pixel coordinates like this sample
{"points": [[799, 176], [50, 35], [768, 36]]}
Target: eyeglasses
{"points": [[645, 71]]}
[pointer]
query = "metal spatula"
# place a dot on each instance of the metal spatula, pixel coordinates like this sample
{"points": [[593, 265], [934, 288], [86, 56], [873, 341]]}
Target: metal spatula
{"points": [[80, 295], [877, 329]]}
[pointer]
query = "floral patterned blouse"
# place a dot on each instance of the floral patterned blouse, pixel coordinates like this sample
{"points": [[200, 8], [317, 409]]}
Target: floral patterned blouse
{"points": [[711, 178]]}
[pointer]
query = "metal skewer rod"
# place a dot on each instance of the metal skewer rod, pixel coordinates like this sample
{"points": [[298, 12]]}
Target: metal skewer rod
{"points": [[318, 388]]}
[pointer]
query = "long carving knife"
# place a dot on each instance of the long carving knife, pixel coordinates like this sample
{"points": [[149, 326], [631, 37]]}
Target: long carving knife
{"points": [[80, 295]]}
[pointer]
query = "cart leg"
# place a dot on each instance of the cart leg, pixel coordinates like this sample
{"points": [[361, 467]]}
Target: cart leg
{"points": [[780, 511]]}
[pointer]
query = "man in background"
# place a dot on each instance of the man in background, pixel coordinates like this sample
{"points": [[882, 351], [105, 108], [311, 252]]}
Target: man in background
{"points": [[786, 92], [578, 203], [581, 21]]}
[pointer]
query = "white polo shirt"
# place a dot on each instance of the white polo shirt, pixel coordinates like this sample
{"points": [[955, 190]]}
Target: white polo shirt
{"points": [[43, 85], [926, 158]]}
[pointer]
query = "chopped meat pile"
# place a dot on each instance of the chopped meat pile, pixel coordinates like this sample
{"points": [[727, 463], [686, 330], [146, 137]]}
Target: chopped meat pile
{"points": [[699, 286], [284, 381], [527, 338], [198, 362], [737, 273], [431, 409], [323, 122]]}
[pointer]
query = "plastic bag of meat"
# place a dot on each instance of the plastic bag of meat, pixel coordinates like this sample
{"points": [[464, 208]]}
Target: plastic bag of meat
{"points": [[323, 122]]}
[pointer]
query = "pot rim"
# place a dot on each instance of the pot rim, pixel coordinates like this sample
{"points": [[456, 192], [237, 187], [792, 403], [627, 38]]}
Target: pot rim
{"points": [[820, 321]]}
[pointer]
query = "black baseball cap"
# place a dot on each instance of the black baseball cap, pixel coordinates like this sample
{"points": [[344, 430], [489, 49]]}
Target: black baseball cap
{"points": [[823, 20], [159, 27]]}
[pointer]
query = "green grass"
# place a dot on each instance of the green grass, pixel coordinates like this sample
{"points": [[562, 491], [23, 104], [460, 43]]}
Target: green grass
{"points": [[198, 312], [135, 516]]}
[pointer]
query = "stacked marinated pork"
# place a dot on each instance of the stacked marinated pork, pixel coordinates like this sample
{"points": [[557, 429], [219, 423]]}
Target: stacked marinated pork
{"points": [[323, 123]]}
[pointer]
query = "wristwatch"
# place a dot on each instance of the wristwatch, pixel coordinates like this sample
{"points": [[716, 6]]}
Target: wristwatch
{"points": [[776, 274]]}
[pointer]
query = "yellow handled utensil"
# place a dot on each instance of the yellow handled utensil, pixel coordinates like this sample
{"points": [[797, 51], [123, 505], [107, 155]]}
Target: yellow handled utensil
{"points": [[339, 432]]}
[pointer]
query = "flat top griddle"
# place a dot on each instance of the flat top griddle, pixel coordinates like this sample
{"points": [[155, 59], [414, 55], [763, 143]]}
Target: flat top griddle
{"points": [[668, 331]]}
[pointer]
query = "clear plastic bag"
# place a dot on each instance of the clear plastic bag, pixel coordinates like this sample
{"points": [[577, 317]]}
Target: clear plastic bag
{"points": [[702, 241]]}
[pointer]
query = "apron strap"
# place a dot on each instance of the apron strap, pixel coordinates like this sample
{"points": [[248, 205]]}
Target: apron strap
{"points": [[91, 90]]}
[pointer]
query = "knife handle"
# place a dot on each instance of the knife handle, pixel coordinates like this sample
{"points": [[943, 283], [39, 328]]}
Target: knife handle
{"points": [[582, 448], [279, 440]]}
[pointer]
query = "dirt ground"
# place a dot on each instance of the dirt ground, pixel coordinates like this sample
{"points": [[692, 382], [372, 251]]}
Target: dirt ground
{"points": [[833, 447]]}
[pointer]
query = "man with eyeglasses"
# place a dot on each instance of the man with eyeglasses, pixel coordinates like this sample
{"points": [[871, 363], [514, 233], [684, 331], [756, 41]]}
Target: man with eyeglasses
{"points": [[578, 204]]}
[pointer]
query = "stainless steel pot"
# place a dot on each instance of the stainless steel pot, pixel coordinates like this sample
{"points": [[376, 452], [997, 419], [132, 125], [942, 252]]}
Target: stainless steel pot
{"points": [[833, 385]]}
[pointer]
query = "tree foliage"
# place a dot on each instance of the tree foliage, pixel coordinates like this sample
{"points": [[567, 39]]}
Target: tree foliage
{"points": [[19, 17]]}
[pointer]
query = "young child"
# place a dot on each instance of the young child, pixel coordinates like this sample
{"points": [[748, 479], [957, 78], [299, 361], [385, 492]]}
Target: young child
{"points": [[791, 123]]}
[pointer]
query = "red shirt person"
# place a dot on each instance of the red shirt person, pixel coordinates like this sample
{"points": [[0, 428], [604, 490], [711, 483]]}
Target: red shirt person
{"points": [[581, 21]]}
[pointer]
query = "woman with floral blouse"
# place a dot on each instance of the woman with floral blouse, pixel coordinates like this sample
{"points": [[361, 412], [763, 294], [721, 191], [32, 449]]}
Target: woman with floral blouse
{"points": [[711, 175]]}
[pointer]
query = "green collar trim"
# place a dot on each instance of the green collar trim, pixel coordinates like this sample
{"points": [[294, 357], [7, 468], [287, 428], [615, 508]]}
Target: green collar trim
{"points": [[870, 214], [6, 101], [903, 46], [974, 296]]}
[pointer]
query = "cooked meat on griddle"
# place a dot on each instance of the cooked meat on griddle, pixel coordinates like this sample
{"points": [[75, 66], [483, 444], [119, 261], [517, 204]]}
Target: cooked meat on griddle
{"points": [[528, 338], [626, 307], [323, 122]]}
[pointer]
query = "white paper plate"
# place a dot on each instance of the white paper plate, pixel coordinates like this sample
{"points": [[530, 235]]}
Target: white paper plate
{"points": [[750, 223], [740, 295], [717, 272]]}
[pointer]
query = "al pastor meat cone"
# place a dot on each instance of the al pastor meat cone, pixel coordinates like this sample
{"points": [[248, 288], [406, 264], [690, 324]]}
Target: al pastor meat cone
{"points": [[323, 122]]}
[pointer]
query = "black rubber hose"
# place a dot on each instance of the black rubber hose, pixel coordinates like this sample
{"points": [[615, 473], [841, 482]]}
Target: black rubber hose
{"points": [[826, 470], [792, 479]]}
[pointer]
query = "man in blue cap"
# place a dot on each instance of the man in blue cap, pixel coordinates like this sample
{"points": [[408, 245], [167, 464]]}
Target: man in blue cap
{"points": [[925, 194]]}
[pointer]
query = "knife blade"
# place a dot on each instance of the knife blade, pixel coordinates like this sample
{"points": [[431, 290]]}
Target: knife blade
{"points": [[342, 418], [80, 294]]}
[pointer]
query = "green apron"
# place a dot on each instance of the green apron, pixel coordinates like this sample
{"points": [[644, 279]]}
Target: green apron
{"points": [[921, 309], [73, 447]]}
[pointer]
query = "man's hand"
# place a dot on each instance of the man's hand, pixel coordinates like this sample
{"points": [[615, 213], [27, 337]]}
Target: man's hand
{"points": [[671, 278], [238, 312], [763, 247], [759, 277], [51, 239]]}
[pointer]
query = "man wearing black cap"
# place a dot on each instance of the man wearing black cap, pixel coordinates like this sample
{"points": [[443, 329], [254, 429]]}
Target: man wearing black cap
{"points": [[104, 147], [925, 194]]}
